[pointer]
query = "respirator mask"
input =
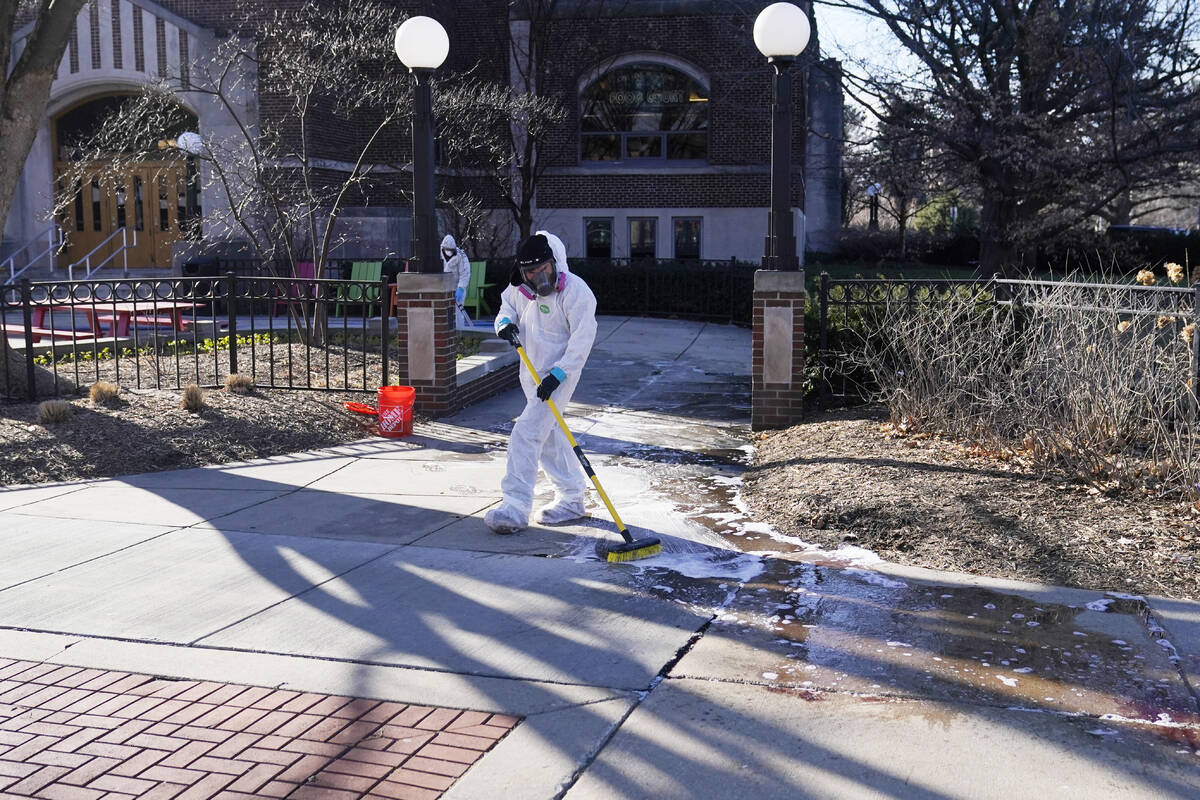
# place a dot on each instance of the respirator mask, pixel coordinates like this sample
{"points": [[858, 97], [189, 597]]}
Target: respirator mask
{"points": [[541, 278]]}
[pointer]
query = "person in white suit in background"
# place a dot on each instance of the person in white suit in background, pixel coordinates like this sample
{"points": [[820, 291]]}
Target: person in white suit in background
{"points": [[455, 260]]}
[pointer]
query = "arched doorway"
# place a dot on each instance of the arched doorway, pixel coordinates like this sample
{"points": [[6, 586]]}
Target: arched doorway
{"points": [[155, 200]]}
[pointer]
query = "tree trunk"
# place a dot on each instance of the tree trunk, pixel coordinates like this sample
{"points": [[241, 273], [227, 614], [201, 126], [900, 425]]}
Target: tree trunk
{"points": [[24, 97], [1122, 209], [997, 253], [524, 220], [14, 382]]}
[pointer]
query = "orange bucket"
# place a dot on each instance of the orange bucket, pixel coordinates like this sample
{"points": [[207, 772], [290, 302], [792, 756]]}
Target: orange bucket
{"points": [[396, 410]]}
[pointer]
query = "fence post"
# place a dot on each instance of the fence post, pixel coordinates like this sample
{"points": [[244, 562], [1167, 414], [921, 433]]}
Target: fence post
{"points": [[385, 327], [27, 318], [824, 315], [733, 287], [647, 265], [1195, 348], [231, 319]]}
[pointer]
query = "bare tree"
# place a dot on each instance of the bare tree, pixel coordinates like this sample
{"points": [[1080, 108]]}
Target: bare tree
{"points": [[903, 165], [540, 53], [26, 89], [1054, 109], [23, 97], [319, 107]]}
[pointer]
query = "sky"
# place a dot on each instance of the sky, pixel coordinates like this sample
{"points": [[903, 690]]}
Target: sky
{"points": [[853, 37]]}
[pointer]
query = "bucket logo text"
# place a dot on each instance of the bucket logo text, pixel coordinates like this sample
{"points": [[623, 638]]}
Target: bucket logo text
{"points": [[391, 419]]}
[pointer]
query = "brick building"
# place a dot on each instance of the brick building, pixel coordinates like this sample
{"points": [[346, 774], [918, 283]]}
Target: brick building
{"points": [[664, 151]]}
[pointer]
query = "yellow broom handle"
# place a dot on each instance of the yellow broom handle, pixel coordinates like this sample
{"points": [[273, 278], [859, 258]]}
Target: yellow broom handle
{"points": [[587, 467]]}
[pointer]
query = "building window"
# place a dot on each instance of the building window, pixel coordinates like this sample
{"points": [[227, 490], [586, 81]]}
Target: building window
{"points": [[597, 233], [644, 112], [642, 238], [687, 237]]}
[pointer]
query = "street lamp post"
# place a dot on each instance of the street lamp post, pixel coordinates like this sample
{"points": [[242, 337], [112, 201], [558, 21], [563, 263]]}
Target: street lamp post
{"points": [[781, 33], [422, 45], [873, 206]]}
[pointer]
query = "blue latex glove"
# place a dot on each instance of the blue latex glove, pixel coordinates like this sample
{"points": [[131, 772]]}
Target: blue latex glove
{"points": [[460, 294]]}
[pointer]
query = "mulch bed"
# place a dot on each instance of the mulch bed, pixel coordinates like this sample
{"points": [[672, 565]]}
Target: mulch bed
{"points": [[848, 477], [841, 477], [147, 430]]}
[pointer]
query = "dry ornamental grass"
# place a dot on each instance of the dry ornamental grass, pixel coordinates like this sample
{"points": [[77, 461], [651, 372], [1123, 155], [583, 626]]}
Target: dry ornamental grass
{"points": [[193, 399], [239, 383], [51, 412], [103, 392]]}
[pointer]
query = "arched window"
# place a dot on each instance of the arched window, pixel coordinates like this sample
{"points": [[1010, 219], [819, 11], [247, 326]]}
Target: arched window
{"points": [[644, 111]]}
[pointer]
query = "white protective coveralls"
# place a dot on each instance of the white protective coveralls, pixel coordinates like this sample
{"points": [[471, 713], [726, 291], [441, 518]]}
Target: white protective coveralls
{"points": [[557, 332], [460, 264]]}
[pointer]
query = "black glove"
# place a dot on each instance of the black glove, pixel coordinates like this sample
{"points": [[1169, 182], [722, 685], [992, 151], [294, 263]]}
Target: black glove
{"points": [[547, 386], [509, 333]]}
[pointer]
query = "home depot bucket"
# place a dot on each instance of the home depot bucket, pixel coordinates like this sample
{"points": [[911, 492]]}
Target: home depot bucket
{"points": [[396, 410]]}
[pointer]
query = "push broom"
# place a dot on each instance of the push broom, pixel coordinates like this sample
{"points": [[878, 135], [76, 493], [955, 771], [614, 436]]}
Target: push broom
{"points": [[632, 549]]}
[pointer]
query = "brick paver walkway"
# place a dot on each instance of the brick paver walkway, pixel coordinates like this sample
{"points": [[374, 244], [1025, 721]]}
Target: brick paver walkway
{"points": [[68, 733]]}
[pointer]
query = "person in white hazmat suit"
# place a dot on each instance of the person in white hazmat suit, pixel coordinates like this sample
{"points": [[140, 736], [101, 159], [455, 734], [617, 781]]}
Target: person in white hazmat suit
{"points": [[554, 313], [455, 260]]}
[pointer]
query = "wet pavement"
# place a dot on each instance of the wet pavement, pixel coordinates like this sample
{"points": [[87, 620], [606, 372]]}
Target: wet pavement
{"points": [[738, 663]]}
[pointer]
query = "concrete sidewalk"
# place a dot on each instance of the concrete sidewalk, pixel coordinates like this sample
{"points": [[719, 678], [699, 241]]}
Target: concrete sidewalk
{"points": [[365, 571]]}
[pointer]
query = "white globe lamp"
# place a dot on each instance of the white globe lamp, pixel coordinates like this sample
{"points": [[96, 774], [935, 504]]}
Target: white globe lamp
{"points": [[781, 31], [422, 43], [190, 143]]}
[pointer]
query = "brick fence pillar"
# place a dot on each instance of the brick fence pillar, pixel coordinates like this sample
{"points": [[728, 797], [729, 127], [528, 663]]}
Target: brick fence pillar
{"points": [[428, 340], [777, 356]]}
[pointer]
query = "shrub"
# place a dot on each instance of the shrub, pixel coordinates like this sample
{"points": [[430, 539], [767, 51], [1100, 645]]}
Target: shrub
{"points": [[1060, 380], [103, 392], [193, 398], [238, 383], [54, 411]]}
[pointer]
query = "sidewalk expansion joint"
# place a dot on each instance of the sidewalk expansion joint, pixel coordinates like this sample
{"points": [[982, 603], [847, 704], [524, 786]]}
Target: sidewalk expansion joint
{"points": [[94, 558], [641, 696], [695, 338], [297, 595], [309, 657]]}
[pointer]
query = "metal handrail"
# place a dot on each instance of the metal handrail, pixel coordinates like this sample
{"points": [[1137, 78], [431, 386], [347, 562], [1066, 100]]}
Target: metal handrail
{"points": [[54, 243], [122, 251]]}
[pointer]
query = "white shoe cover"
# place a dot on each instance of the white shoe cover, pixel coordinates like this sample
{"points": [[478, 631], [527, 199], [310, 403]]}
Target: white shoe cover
{"points": [[505, 519], [561, 511]]}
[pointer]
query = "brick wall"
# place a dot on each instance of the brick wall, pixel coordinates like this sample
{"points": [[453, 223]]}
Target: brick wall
{"points": [[741, 190], [428, 342], [583, 37], [777, 350], [484, 387]]}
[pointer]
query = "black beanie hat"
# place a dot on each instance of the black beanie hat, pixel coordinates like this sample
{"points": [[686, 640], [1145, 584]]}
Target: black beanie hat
{"points": [[533, 250]]}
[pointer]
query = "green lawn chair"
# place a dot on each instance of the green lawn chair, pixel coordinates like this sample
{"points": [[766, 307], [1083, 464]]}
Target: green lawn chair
{"points": [[367, 272], [475, 289]]}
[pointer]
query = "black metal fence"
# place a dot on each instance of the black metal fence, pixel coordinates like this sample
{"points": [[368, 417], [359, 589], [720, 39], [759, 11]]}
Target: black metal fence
{"points": [[282, 333], [710, 291], [848, 310], [852, 308]]}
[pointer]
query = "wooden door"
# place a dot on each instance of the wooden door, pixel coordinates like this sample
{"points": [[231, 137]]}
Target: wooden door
{"points": [[149, 201]]}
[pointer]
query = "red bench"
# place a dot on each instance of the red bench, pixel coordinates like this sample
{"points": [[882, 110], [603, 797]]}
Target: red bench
{"points": [[18, 332], [144, 319]]}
